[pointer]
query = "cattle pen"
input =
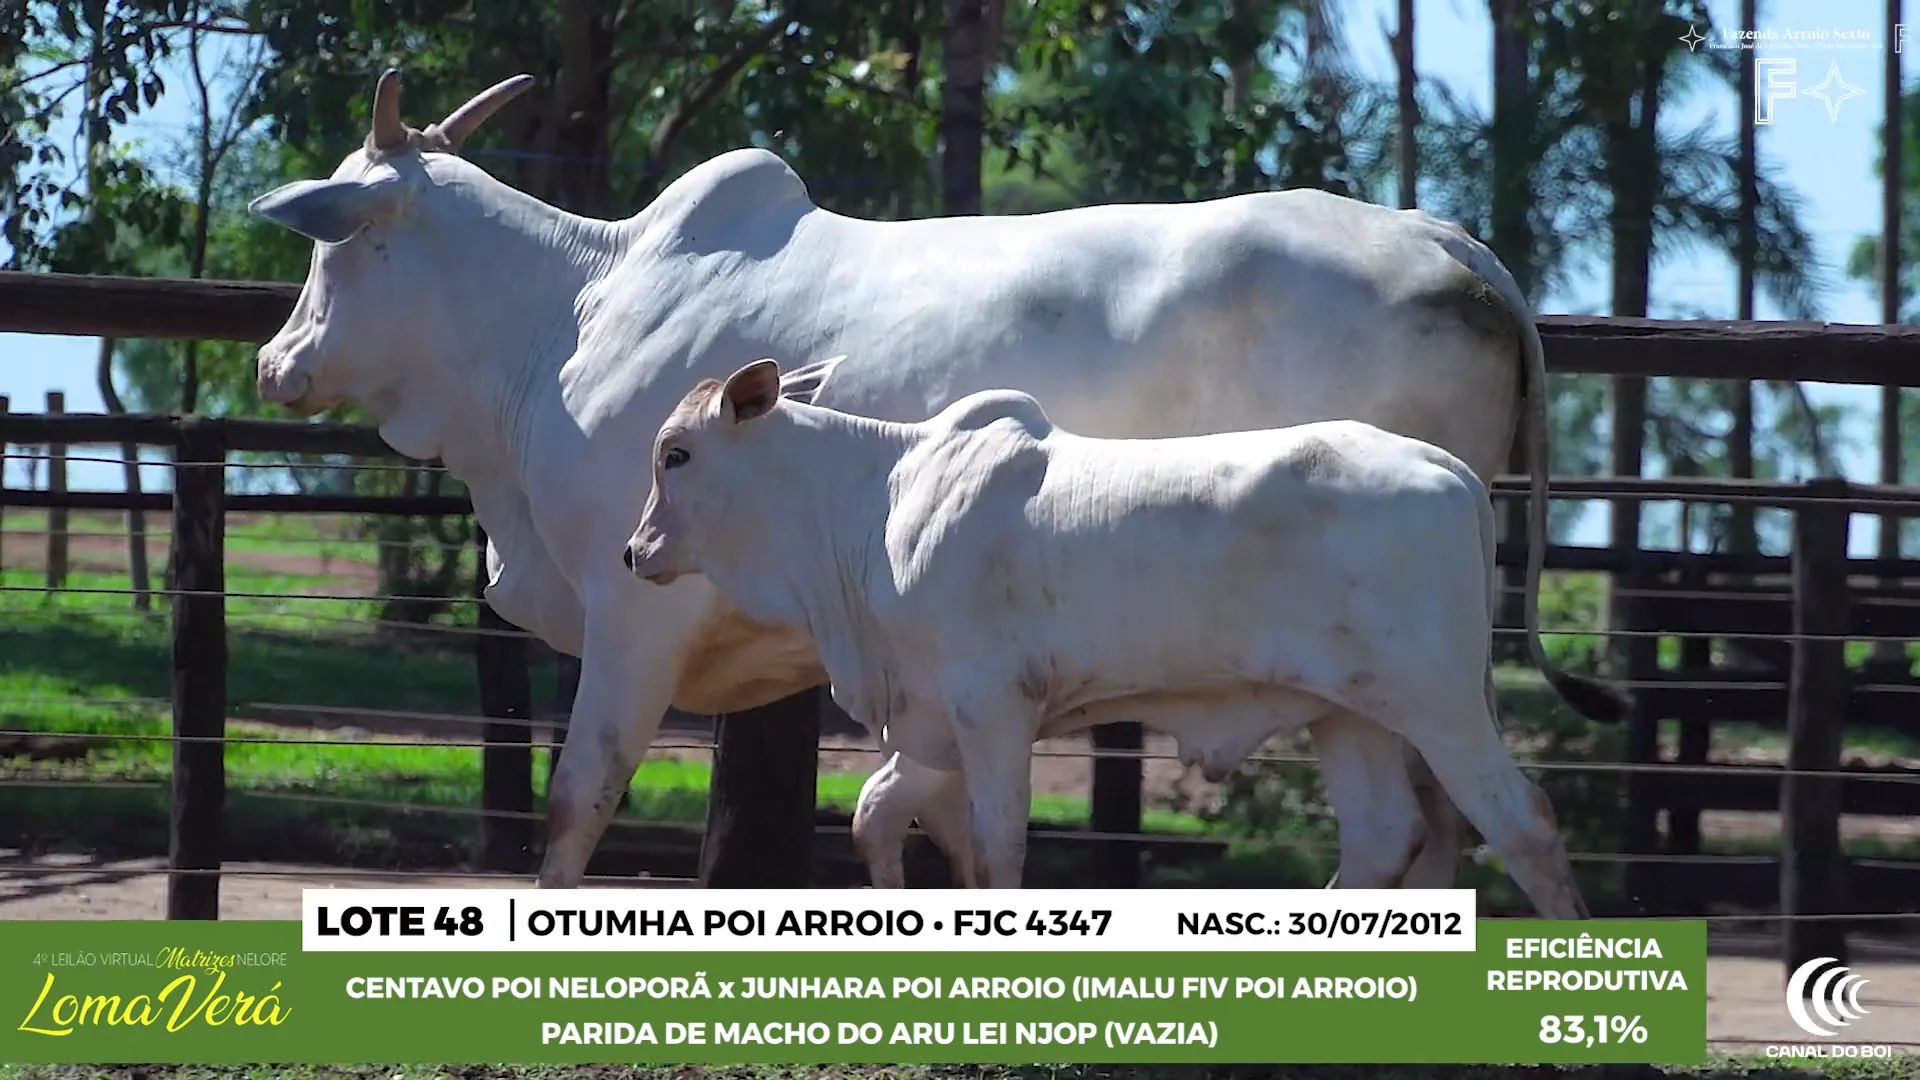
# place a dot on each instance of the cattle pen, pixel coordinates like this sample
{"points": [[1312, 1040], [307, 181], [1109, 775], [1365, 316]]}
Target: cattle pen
{"points": [[1800, 621]]}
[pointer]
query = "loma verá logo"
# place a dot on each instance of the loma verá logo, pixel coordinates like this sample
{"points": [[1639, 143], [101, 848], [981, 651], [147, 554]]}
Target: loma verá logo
{"points": [[1835, 995]]}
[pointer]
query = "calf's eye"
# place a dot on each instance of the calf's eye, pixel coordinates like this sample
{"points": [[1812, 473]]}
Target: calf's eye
{"points": [[673, 458]]}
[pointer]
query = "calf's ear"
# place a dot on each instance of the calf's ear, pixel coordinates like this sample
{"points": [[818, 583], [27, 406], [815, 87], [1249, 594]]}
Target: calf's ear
{"points": [[751, 392]]}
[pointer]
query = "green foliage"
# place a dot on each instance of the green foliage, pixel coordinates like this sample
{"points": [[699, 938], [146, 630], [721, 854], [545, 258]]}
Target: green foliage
{"points": [[52, 52], [1085, 103]]}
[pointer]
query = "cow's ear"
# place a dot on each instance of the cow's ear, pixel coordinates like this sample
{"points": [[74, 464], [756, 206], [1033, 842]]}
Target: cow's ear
{"points": [[329, 211], [751, 392], [803, 384]]}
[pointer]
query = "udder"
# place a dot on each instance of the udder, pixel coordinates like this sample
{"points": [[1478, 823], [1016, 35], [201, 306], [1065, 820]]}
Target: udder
{"points": [[1215, 730]]}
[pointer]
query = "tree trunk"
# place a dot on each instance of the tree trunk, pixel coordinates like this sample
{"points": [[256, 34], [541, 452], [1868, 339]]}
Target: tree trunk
{"points": [[137, 570], [1889, 656], [1407, 153], [585, 92], [1741, 535], [1512, 241], [202, 211], [1633, 176], [962, 107], [1630, 159]]}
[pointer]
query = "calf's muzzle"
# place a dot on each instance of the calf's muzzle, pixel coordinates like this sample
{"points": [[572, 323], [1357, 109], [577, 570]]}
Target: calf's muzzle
{"points": [[641, 557]]}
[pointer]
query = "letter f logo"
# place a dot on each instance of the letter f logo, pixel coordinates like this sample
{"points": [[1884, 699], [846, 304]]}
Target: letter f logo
{"points": [[1778, 85]]}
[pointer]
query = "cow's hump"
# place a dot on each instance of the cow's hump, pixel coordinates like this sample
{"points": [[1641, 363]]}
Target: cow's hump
{"points": [[725, 189]]}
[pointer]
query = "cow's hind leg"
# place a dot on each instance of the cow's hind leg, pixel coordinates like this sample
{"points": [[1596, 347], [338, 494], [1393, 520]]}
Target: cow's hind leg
{"points": [[1381, 829], [1437, 864], [995, 739], [1511, 812]]}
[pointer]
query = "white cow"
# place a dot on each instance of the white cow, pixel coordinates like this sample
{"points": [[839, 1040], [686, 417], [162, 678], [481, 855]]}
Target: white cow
{"points": [[982, 579], [536, 352]]}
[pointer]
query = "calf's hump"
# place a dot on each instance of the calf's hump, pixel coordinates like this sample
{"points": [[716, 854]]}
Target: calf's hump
{"points": [[978, 410]]}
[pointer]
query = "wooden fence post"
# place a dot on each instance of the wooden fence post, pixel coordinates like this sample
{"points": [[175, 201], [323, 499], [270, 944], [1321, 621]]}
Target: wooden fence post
{"points": [[199, 669], [1819, 687], [56, 486], [506, 761], [1115, 806], [566, 686], [6, 406], [1646, 883], [760, 807], [1696, 735]]}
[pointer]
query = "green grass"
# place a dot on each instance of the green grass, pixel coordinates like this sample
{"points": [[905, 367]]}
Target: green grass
{"points": [[1719, 1068], [85, 662], [77, 663], [81, 661]]}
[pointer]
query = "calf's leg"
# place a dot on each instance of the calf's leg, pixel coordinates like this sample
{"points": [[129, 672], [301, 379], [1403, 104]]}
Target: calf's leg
{"points": [[880, 821], [946, 816], [899, 791], [1381, 828]]}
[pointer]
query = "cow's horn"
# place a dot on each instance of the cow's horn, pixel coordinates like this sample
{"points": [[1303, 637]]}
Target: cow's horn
{"points": [[462, 121], [388, 132]]}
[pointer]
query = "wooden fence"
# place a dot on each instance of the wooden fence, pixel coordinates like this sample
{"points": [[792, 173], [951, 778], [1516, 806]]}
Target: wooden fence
{"points": [[1807, 603]]}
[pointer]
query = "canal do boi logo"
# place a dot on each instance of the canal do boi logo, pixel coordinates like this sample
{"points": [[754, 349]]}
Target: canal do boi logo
{"points": [[1835, 995]]}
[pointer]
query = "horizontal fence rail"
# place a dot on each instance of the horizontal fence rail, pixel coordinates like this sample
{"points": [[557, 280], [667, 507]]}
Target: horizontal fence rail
{"points": [[1792, 615], [131, 307]]}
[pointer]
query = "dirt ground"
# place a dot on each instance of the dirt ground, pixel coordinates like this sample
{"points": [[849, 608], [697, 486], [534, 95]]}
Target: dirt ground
{"points": [[1744, 977], [1060, 766], [96, 545]]}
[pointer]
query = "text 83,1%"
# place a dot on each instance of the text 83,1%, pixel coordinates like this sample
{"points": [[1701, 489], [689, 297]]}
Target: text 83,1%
{"points": [[1596, 1030], [401, 920]]}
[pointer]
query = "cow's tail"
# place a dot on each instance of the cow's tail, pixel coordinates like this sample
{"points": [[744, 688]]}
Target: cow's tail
{"points": [[1489, 558], [1592, 698]]}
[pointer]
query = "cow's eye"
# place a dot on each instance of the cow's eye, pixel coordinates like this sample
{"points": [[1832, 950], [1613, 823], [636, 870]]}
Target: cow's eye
{"points": [[674, 457]]}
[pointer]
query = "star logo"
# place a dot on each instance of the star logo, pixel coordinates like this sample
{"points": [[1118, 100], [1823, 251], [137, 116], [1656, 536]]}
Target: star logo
{"points": [[1834, 90], [1692, 37]]}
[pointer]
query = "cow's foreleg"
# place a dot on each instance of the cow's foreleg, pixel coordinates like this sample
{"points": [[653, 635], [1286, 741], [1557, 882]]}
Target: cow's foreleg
{"points": [[627, 671], [1381, 828]]}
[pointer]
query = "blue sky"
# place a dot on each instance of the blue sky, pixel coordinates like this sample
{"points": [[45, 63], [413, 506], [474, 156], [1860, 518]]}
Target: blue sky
{"points": [[1829, 160]]}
